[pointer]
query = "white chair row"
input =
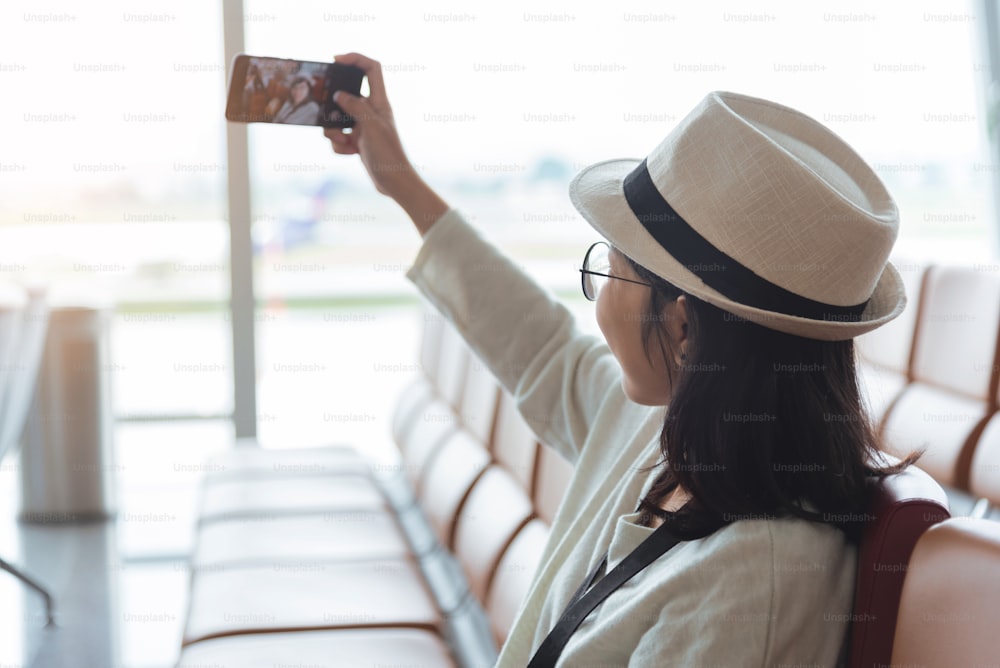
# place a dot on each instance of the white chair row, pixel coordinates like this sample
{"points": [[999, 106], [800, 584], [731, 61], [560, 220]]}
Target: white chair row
{"points": [[308, 555], [931, 378]]}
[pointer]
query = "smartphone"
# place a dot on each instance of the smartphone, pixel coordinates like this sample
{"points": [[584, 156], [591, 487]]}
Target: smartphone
{"points": [[291, 92]]}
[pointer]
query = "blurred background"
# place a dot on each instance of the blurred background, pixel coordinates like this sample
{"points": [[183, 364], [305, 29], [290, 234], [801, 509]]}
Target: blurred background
{"points": [[118, 174]]}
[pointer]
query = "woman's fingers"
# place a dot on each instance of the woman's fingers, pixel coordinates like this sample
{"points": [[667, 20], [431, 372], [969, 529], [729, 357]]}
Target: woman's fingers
{"points": [[345, 150], [358, 107], [376, 141], [343, 143], [336, 135], [373, 70], [374, 135]]}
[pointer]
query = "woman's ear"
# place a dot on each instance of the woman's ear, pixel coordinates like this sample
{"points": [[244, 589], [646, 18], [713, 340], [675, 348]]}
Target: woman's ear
{"points": [[676, 319]]}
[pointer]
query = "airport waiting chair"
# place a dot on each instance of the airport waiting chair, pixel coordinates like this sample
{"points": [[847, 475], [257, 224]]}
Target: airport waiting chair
{"points": [[901, 509], [885, 354], [954, 375], [951, 597], [984, 477]]}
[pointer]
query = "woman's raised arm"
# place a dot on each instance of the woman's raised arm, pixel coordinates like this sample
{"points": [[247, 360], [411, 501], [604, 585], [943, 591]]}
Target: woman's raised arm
{"points": [[559, 377], [375, 139]]}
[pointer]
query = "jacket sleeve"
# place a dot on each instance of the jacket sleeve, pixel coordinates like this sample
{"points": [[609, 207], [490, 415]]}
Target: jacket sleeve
{"points": [[557, 375]]}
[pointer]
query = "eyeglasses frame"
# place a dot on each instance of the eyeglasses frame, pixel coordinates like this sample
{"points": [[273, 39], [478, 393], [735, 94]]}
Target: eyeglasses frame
{"points": [[584, 272]]}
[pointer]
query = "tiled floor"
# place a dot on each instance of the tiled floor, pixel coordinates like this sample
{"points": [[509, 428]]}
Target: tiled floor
{"points": [[120, 586]]}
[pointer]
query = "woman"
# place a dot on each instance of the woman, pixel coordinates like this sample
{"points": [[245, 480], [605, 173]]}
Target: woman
{"points": [[723, 411], [300, 107]]}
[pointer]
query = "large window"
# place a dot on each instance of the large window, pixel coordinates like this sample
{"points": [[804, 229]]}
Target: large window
{"points": [[112, 182], [112, 173], [501, 104]]}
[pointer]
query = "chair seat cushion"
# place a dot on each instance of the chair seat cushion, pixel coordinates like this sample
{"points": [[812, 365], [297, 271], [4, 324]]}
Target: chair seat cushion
{"points": [[252, 461], [329, 536], [294, 597], [352, 648], [263, 497]]}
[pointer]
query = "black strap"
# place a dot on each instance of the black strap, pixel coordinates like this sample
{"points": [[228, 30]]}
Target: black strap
{"points": [[713, 266], [584, 601], [589, 581]]}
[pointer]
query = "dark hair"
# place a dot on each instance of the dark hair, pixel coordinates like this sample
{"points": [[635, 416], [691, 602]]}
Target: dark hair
{"points": [[300, 79], [760, 424], [295, 82]]}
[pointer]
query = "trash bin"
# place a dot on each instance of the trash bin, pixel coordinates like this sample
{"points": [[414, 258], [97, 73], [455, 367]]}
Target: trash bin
{"points": [[67, 468]]}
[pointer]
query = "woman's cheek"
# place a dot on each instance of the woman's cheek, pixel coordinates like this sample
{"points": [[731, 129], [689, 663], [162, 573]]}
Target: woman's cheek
{"points": [[601, 313]]}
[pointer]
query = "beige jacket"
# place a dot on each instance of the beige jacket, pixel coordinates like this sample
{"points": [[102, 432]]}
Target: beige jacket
{"points": [[759, 592]]}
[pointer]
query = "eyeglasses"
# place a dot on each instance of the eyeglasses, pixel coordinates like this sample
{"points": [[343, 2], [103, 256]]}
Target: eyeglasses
{"points": [[594, 273]]}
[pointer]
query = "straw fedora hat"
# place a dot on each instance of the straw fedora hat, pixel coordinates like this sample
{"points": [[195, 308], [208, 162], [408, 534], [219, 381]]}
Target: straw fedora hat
{"points": [[759, 210]]}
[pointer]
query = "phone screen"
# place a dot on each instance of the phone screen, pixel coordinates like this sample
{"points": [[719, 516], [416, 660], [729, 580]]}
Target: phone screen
{"points": [[293, 92]]}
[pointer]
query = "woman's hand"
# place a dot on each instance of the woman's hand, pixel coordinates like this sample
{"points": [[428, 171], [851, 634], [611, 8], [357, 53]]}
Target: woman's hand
{"points": [[375, 139]]}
